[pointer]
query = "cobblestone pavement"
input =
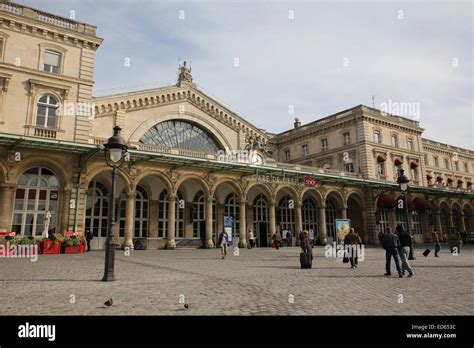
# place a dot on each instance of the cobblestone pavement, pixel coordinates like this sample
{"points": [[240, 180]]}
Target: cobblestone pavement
{"points": [[258, 282]]}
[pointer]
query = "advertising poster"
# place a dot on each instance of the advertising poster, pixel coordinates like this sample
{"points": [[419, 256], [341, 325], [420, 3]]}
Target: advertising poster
{"points": [[342, 229], [228, 223]]}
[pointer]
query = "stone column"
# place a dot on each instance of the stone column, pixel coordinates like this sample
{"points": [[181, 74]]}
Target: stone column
{"points": [[463, 225], [64, 211], [323, 234], [129, 220], [438, 222], [272, 217], [243, 224], [298, 222], [209, 243], [450, 221], [171, 243], [344, 212], [6, 203], [363, 233]]}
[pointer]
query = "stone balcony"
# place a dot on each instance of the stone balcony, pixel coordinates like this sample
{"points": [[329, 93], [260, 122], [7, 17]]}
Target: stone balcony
{"points": [[57, 21]]}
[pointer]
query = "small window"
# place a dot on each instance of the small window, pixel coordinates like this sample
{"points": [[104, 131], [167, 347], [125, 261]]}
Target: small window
{"points": [[305, 149], [287, 155], [436, 161], [46, 113], [446, 163], [377, 137], [52, 62], [324, 145], [346, 138], [394, 140], [456, 165], [2, 42], [410, 144], [349, 167], [414, 174], [466, 168]]}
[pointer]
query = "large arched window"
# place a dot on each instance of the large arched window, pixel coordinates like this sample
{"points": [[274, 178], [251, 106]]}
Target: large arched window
{"points": [[199, 215], [163, 207], [36, 194], [330, 218], [286, 215], [232, 208], [97, 209], [310, 216], [141, 213], [46, 113], [260, 209], [181, 134]]}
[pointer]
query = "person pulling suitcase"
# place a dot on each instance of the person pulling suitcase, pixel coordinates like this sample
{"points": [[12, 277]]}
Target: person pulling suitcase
{"points": [[306, 256]]}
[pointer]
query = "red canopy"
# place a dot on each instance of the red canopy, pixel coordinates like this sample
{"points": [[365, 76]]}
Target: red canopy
{"points": [[386, 200], [413, 165], [439, 178], [460, 182], [429, 177], [450, 179], [469, 183], [421, 203], [398, 162], [381, 158], [411, 205]]}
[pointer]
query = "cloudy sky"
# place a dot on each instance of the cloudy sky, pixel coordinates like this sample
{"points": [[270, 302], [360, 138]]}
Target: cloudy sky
{"points": [[264, 59]]}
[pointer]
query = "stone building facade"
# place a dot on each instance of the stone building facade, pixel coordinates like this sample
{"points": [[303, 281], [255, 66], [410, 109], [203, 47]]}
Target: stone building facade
{"points": [[193, 161]]}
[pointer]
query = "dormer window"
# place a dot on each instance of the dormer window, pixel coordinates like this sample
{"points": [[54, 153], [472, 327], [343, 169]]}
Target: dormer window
{"points": [[52, 62]]}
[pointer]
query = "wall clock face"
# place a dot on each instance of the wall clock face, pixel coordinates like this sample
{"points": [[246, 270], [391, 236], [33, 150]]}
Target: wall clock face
{"points": [[256, 160]]}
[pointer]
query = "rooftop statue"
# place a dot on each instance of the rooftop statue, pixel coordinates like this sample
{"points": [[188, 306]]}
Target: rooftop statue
{"points": [[184, 73]]}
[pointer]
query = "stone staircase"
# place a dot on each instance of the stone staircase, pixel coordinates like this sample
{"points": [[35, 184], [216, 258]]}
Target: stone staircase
{"points": [[188, 243]]}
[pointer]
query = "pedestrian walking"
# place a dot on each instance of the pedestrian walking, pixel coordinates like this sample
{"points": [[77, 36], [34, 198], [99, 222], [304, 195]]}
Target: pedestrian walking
{"points": [[276, 240], [437, 245], [306, 256], [404, 249], [391, 243], [352, 243], [223, 241], [411, 255], [288, 238], [251, 240], [89, 237]]}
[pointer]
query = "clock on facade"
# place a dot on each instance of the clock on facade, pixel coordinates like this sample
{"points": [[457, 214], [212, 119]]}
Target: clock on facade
{"points": [[256, 159]]}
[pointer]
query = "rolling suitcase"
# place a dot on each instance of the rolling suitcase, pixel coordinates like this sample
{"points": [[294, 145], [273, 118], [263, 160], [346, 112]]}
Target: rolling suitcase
{"points": [[306, 260], [426, 252]]}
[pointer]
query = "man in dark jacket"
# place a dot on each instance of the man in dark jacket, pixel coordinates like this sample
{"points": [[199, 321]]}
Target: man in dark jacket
{"points": [[404, 249], [391, 243], [89, 237], [352, 242]]}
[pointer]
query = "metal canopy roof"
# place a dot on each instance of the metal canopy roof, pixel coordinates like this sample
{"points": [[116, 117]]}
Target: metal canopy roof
{"points": [[16, 141]]}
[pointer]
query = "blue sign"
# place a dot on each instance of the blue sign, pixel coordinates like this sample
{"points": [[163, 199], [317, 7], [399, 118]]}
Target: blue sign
{"points": [[228, 224]]}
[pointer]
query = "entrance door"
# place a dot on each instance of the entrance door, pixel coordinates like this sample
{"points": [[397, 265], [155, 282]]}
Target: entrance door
{"points": [[262, 233]]}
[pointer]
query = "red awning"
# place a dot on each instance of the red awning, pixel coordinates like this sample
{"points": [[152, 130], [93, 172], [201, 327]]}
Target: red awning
{"points": [[439, 178], [460, 182], [386, 200], [381, 158], [398, 162], [450, 179], [413, 165], [429, 177], [421, 203], [411, 205], [469, 183]]}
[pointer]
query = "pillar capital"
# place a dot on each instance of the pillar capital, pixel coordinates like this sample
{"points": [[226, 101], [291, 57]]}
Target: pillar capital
{"points": [[131, 195], [4, 186]]}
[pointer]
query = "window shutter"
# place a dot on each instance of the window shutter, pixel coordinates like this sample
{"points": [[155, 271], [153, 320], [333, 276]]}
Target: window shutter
{"points": [[52, 58]]}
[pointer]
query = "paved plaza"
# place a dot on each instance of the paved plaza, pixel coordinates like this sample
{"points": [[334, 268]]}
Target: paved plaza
{"points": [[258, 282]]}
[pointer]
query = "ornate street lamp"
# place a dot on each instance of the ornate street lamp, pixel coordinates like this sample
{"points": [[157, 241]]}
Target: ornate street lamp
{"points": [[115, 153], [403, 181]]}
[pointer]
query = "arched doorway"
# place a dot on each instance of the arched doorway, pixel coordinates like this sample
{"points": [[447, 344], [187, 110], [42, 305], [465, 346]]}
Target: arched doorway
{"points": [[37, 193], [355, 210], [457, 216], [260, 219], [467, 216], [286, 215], [141, 214], [310, 215], [444, 217]]}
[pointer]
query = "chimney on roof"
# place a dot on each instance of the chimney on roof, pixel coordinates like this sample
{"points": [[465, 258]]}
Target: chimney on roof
{"points": [[297, 123]]}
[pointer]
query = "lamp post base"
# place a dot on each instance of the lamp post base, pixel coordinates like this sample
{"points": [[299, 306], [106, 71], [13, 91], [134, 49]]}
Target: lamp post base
{"points": [[109, 274]]}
